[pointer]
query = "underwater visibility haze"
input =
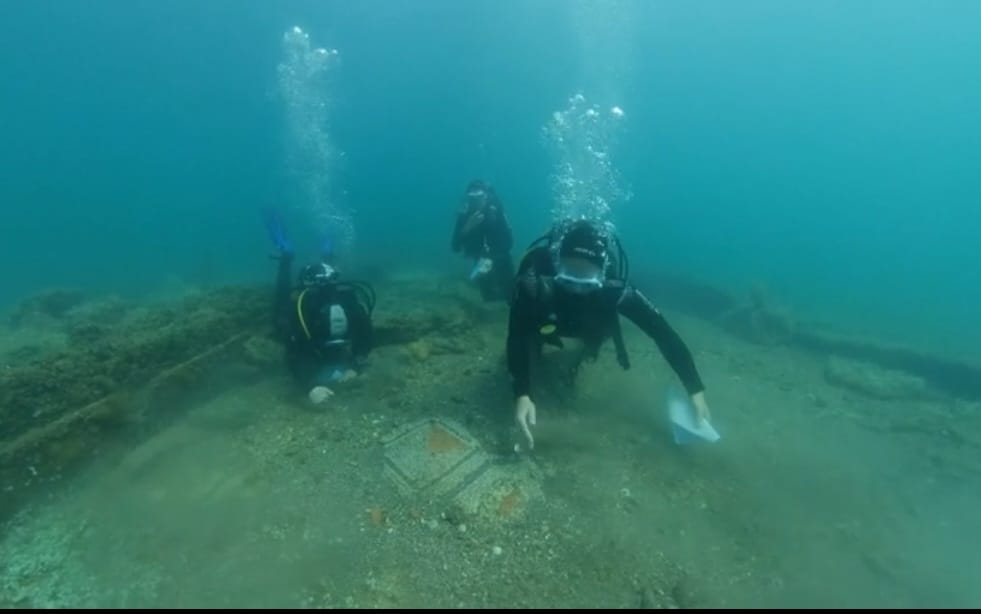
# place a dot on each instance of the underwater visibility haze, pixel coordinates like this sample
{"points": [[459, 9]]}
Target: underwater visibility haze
{"points": [[793, 186]]}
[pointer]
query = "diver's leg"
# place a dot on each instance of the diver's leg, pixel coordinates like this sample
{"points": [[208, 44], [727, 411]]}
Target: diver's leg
{"points": [[503, 276]]}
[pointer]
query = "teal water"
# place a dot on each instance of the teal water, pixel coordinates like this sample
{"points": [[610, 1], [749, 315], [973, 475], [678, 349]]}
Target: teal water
{"points": [[828, 151]]}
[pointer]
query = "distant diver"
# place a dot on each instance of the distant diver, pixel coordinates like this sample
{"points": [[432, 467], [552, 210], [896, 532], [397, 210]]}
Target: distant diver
{"points": [[325, 322], [572, 283], [482, 233]]}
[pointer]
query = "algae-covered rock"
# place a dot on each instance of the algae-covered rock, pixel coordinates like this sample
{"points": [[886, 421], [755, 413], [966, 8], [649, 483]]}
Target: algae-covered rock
{"points": [[261, 351], [36, 392], [760, 319], [450, 345], [419, 350], [86, 332], [50, 304], [106, 311], [403, 329], [874, 381], [25, 353]]}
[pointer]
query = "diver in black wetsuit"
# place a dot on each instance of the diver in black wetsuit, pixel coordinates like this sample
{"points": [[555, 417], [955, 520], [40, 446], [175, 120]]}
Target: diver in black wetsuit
{"points": [[324, 322], [482, 232], [574, 285]]}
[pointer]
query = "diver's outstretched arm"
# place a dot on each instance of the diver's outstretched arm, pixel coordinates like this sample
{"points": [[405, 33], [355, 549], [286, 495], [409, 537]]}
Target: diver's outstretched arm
{"points": [[635, 307]]}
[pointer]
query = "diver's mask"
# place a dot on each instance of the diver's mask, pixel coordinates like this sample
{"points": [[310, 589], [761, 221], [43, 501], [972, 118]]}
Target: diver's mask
{"points": [[318, 274], [477, 197], [579, 276]]}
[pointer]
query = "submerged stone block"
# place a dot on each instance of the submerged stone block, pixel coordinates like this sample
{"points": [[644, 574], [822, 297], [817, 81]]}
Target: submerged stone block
{"points": [[432, 455], [436, 457], [874, 381]]}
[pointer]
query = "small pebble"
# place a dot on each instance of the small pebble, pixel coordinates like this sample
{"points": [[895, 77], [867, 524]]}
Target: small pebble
{"points": [[463, 528], [496, 551]]}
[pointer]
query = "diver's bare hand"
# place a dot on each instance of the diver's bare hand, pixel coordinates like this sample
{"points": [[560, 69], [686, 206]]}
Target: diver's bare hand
{"points": [[524, 414], [701, 407], [320, 394]]}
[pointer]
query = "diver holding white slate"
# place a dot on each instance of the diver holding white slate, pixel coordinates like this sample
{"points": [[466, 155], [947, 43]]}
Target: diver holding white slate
{"points": [[575, 285], [686, 427]]}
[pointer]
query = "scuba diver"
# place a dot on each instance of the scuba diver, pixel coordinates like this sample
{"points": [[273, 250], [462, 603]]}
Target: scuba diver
{"points": [[483, 233], [572, 283], [324, 321]]}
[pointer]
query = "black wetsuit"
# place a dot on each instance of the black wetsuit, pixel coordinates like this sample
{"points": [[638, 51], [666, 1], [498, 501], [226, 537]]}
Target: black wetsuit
{"points": [[313, 349], [543, 313], [491, 239]]}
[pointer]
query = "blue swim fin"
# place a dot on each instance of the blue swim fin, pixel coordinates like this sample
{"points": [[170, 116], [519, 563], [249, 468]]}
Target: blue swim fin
{"points": [[327, 249], [277, 234]]}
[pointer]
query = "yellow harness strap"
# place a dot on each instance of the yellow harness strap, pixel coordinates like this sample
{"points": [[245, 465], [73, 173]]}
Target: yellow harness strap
{"points": [[299, 313]]}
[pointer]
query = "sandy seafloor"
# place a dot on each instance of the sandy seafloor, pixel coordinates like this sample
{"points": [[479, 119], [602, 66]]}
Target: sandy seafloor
{"points": [[816, 496]]}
